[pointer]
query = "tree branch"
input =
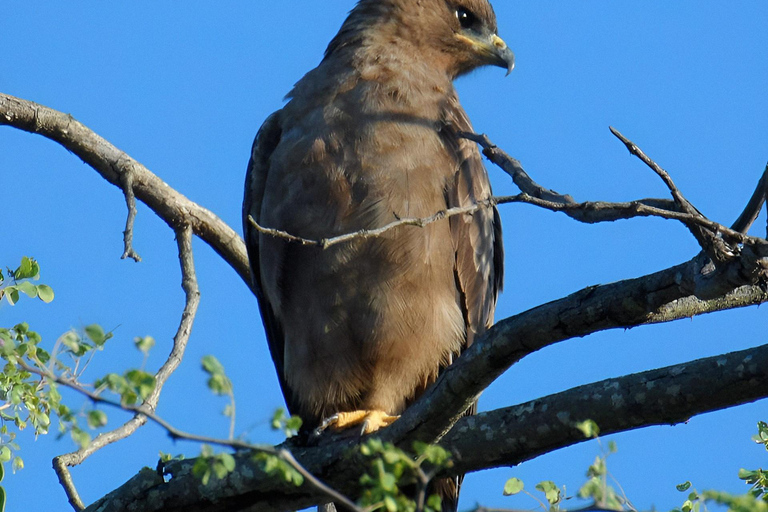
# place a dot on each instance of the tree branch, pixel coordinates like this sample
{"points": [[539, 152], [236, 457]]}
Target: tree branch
{"points": [[498, 438], [192, 300], [113, 164], [678, 292]]}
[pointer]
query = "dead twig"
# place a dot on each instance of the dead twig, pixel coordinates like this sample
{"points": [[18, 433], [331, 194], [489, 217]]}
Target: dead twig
{"points": [[755, 204], [192, 300], [130, 201], [719, 251]]}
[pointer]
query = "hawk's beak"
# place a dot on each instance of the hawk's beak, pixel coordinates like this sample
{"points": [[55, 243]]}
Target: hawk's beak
{"points": [[492, 49], [503, 55]]}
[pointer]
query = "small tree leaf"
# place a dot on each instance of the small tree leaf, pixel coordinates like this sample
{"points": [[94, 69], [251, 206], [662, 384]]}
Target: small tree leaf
{"points": [[97, 419], [144, 344], [513, 486], [45, 293], [29, 289], [589, 428]]}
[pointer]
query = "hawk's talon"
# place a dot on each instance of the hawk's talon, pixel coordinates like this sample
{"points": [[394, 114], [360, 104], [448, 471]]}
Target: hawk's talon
{"points": [[370, 421]]}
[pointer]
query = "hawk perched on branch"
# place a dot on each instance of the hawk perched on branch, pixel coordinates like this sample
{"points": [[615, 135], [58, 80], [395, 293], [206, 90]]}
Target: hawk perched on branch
{"points": [[357, 331]]}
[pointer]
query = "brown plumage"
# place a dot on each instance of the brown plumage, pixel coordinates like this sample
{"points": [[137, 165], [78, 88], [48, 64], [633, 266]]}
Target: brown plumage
{"points": [[368, 137]]}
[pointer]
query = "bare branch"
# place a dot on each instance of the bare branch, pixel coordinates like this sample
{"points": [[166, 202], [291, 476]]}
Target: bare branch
{"points": [[635, 150], [512, 167], [371, 233], [708, 240], [590, 212], [666, 396], [497, 438], [650, 299], [755, 204], [112, 164], [130, 201], [192, 300]]}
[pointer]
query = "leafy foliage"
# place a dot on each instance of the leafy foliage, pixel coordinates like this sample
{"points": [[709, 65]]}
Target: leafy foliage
{"points": [[21, 277], [209, 464], [755, 500], [392, 469], [219, 384], [597, 488], [31, 376], [288, 425], [275, 466]]}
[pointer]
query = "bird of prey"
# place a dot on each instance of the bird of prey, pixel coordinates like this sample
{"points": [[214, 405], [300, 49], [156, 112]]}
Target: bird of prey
{"points": [[359, 330]]}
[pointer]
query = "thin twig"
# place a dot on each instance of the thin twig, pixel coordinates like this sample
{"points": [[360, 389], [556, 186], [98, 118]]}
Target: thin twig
{"points": [[755, 204], [635, 150], [111, 163], [130, 201], [336, 496], [714, 247], [588, 212], [515, 170], [192, 300], [421, 222]]}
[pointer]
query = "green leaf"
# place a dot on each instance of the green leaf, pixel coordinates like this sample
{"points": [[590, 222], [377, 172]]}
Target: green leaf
{"points": [[18, 464], [2, 472], [74, 344], [81, 437], [749, 476], [96, 334], [589, 428], [11, 295], [218, 382], [45, 293], [97, 419], [390, 504], [28, 269], [550, 490], [2, 499], [212, 365], [202, 470], [278, 418], [435, 502], [683, 487], [29, 289], [144, 344], [142, 382], [513, 486], [5, 454], [228, 461]]}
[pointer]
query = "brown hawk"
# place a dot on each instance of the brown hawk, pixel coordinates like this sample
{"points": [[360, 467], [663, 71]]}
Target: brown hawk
{"points": [[366, 138]]}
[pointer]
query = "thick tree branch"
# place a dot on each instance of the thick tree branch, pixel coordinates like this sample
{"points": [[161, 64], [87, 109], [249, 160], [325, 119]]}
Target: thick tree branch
{"points": [[666, 396], [678, 292], [113, 165], [498, 438]]}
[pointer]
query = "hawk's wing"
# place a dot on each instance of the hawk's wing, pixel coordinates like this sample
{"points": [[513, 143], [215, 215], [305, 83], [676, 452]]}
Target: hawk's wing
{"points": [[255, 180], [479, 264]]}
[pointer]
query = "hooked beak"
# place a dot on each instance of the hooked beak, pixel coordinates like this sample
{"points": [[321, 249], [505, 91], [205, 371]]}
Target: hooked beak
{"points": [[503, 56], [491, 48]]}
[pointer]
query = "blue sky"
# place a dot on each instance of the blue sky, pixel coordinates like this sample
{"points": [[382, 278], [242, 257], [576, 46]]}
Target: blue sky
{"points": [[183, 89]]}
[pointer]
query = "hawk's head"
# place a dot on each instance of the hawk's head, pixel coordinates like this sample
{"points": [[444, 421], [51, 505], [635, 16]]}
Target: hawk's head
{"points": [[454, 35]]}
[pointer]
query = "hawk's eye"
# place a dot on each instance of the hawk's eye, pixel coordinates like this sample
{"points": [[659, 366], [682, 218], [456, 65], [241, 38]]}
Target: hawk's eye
{"points": [[465, 17]]}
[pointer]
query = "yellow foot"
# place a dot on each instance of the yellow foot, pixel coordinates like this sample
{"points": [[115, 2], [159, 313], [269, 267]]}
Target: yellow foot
{"points": [[371, 421]]}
